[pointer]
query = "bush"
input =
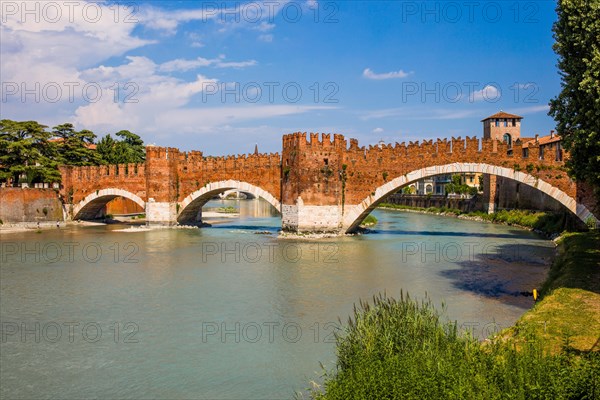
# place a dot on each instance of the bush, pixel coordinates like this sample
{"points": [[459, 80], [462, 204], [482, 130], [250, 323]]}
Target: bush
{"points": [[401, 349], [369, 220]]}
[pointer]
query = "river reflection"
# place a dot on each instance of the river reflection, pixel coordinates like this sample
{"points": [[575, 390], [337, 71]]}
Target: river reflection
{"points": [[225, 313]]}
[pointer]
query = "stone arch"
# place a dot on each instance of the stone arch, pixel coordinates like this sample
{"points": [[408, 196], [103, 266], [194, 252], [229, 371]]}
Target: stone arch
{"points": [[89, 207], [357, 213], [192, 204]]}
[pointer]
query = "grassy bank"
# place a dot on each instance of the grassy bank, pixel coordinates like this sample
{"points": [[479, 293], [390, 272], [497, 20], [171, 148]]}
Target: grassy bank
{"points": [[543, 221], [568, 314], [402, 349]]}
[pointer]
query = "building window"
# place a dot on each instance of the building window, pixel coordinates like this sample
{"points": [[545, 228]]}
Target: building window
{"points": [[507, 139], [497, 121]]}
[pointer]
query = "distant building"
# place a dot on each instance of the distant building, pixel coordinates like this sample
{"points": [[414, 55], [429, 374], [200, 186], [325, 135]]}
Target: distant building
{"points": [[550, 143], [503, 127]]}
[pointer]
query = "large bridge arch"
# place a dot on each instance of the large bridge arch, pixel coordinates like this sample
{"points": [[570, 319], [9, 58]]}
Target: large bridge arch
{"points": [[357, 213], [192, 204], [89, 207]]}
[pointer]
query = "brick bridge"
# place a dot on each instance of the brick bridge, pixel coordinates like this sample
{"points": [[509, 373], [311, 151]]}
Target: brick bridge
{"points": [[317, 184]]}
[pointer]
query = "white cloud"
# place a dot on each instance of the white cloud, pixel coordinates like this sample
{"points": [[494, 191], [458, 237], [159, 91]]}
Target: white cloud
{"points": [[265, 38], [137, 93], [181, 64], [367, 73], [168, 21], [489, 93], [185, 65], [377, 130]]}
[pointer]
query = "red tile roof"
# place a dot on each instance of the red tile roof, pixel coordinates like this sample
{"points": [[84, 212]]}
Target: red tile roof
{"points": [[544, 140], [502, 114]]}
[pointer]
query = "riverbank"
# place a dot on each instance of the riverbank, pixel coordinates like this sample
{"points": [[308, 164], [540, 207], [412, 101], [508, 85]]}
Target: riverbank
{"points": [[404, 349], [568, 315], [33, 226], [544, 223]]}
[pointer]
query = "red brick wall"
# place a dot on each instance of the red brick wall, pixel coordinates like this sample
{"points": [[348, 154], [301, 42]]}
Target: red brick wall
{"points": [[79, 182], [122, 205], [28, 205], [368, 168], [323, 170]]}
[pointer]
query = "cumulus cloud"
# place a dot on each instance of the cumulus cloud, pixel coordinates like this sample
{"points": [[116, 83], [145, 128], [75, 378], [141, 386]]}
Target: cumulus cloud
{"points": [[369, 74], [132, 91], [489, 93]]}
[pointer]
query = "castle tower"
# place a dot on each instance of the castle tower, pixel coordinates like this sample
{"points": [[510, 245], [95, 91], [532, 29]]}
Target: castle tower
{"points": [[311, 190], [503, 127]]}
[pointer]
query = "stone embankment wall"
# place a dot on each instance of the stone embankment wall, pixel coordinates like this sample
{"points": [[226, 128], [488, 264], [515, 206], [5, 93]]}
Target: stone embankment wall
{"points": [[29, 205]]}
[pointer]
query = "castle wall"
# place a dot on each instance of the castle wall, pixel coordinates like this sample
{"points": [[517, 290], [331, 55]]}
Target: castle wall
{"points": [[317, 178], [29, 205]]}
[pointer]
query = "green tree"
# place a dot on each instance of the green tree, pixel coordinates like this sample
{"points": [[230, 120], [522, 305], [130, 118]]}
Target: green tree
{"points": [[106, 150], [577, 108], [128, 150], [456, 186], [408, 190], [136, 152], [25, 153], [74, 146]]}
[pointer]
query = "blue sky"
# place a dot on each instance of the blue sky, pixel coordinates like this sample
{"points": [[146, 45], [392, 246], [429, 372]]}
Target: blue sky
{"points": [[221, 76]]}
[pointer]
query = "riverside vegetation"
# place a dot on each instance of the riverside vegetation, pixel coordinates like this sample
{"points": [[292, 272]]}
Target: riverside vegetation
{"points": [[394, 349], [401, 349], [543, 221]]}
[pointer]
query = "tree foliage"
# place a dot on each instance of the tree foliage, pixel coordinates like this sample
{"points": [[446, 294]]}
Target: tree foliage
{"points": [[25, 153], [128, 150], [74, 147], [456, 186], [30, 153], [577, 108]]}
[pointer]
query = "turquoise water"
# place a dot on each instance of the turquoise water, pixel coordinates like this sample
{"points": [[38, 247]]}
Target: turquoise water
{"points": [[225, 313]]}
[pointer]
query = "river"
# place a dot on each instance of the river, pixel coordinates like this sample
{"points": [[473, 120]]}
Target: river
{"points": [[227, 313]]}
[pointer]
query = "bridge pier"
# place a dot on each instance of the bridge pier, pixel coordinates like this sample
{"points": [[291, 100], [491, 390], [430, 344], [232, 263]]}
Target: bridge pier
{"points": [[311, 218], [489, 193], [161, 213]]}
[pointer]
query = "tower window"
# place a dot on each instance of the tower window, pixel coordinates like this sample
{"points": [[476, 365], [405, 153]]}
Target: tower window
{"points": [[507, 139]]}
